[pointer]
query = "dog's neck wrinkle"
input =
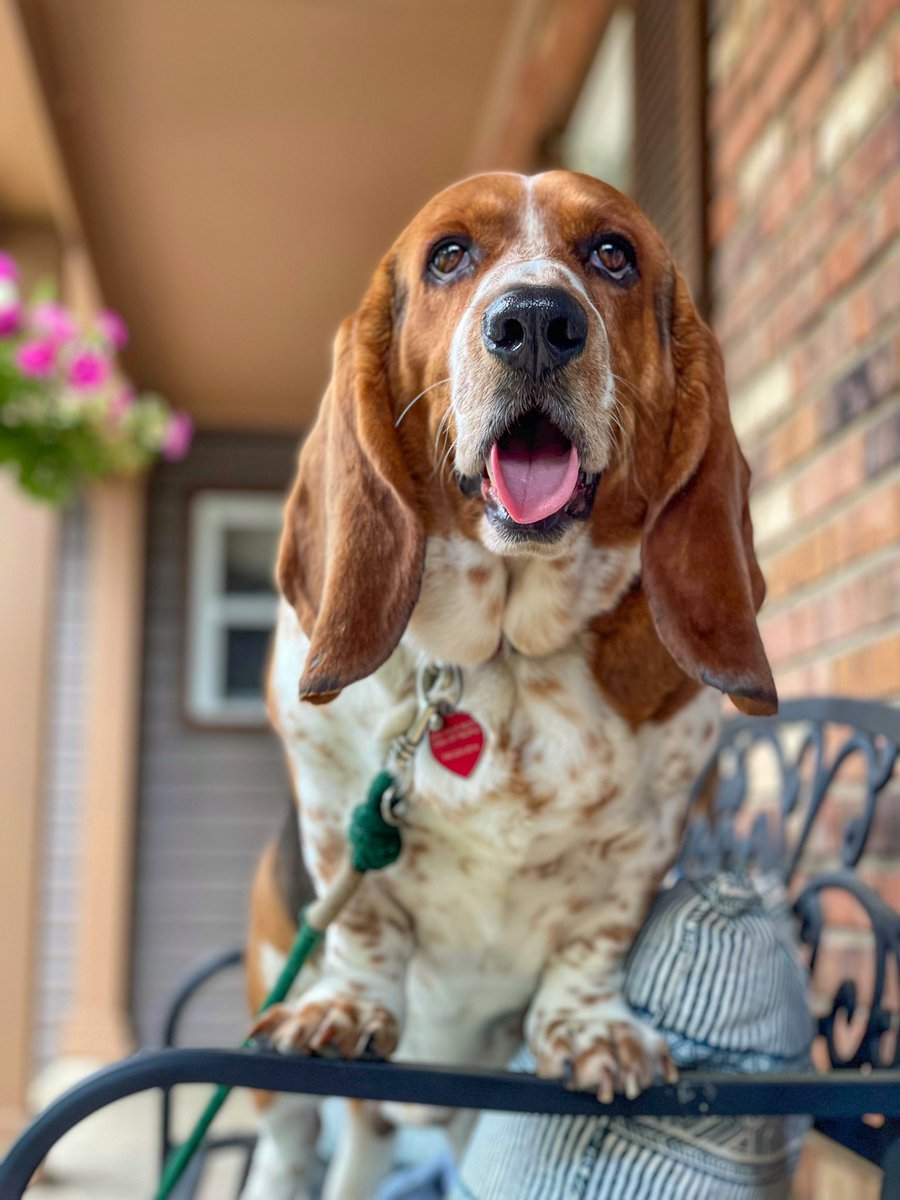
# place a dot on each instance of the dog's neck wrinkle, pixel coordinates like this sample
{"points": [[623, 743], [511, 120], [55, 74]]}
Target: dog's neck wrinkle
{"points": [[472, 599]]}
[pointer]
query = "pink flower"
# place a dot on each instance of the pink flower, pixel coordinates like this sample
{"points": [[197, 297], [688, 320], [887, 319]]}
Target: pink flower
{"points": [[36, 359], [120, 404], [10, 318], [112, 328], [177, 440], [10, 305], [88, 370], [52, 320], [9, 268]]}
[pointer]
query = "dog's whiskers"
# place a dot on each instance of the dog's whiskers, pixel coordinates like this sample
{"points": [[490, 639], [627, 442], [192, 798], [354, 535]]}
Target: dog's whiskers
{"points": [[442, 469], [442, 430], [626, 384], [414, 400], [442, 434], [623, 438]]}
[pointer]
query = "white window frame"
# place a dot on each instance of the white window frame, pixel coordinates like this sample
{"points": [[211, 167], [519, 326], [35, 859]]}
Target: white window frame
{"points": [[212, 611]]}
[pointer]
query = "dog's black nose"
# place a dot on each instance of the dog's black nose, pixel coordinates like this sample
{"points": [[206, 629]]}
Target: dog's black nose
{"points": [[535, 329]]}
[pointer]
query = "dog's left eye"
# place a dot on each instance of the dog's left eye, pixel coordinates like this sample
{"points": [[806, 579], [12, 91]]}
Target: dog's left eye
{"points": [[614, 256], [448, 259]]}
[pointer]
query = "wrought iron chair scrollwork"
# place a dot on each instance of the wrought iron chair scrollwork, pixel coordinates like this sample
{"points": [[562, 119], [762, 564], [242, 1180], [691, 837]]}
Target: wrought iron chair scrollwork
{"points": [[811, 743]]}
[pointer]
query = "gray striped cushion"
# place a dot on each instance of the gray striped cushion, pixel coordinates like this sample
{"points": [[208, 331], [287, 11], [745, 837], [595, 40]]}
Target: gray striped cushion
{"points": [[716, 970]]}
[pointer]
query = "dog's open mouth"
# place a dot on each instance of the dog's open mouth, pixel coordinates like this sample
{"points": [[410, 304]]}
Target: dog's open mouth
{"points": [[533, 469], [533, 479]]}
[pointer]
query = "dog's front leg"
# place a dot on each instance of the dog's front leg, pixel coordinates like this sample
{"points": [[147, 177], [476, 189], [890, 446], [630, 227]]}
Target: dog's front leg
{"points": [[579, 1026], [356, 1007]]}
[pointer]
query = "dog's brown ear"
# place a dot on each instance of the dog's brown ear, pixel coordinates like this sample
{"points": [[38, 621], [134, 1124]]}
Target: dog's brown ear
{"points": [[699, 568], [353, 544]]}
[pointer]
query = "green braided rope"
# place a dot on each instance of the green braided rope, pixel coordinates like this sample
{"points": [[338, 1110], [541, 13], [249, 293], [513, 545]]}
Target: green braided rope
{"points": [[374, 844]]}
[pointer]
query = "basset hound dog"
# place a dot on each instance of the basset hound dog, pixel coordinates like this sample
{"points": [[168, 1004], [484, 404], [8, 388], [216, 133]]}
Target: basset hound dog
{"points": [[523, 467]]}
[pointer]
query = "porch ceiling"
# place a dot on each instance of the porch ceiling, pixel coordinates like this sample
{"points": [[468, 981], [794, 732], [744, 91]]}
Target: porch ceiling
{"points": [[240, 165]]}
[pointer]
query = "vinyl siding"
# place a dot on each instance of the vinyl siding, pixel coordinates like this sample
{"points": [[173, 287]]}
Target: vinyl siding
{"points": [[208, 800], [59, 878]]}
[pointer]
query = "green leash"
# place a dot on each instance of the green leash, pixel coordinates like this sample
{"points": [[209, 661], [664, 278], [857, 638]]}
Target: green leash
{"points": [[375, 843]]}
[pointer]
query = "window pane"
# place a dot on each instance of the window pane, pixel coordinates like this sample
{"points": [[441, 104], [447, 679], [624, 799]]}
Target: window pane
{"points": [[250, 559], [245, 659]]}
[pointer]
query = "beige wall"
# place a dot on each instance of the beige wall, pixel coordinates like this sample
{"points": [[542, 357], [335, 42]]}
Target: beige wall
{"points": [[27, 550], [99, 1025]]}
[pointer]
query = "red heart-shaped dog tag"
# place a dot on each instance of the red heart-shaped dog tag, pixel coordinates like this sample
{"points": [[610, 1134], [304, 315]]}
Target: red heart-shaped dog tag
{"points": [[457, 745]]}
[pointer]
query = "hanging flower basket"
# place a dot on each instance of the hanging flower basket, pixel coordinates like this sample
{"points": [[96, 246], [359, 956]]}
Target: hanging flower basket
{"points": [[67, 414]]}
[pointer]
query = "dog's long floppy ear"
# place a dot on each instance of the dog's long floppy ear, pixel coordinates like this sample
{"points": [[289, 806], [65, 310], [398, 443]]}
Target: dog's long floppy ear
{"points": [[699, 569], [352, 549]]}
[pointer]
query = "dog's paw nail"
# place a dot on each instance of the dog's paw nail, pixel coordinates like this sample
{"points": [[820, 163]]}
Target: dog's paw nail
{"points": [[370, 1046], [607, 1090], [321, 1042]]}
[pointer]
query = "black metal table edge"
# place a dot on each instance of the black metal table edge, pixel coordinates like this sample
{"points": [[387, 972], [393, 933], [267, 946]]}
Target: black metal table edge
{"points": [[839, 1093]]}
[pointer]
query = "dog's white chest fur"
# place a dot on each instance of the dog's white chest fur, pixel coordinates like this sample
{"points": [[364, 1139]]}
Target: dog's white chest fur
{"points": [[499, 867]]}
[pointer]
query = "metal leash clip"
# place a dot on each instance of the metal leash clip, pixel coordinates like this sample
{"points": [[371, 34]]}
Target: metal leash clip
{"points": [[439, 690]]}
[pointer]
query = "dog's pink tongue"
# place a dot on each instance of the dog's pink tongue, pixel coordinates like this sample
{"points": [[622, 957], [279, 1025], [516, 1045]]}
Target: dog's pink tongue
{"points": [[534, 478]]}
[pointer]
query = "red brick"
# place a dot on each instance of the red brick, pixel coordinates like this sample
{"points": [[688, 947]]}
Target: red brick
{"points": [[719, 103], [832, 12], [869, 525], [884, 366], [868, 21], [886, 296], [843, 262], [794, 52], [761, 47], [852, 607], [874, 157], [839, 961], [864, 24], [723, 213], [833, 338], [840, 910], [826, 837], [736, 139], [871, 671], [884, 836], [795, 438], [805, 236], [861, 315], [888, 209], [882, 445], [833, 476], [778, 639], [813, 92]]}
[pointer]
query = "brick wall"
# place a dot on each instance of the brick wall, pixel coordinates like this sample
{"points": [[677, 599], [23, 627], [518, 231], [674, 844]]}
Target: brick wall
{"points": [[804, 176], [804, 213]]}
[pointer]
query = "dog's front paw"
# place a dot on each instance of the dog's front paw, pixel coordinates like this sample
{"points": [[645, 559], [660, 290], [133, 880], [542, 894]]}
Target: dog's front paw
{"points": [[329, 1022], [606, 1051]]}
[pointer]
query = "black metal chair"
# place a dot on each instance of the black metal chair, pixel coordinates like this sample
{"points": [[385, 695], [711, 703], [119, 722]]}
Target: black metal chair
{"points": [[776, 838], [810, 743], [195, 982]]}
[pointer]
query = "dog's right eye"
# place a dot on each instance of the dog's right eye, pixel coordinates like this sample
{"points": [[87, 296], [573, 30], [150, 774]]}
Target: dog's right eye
{"points": [[448, 258]]}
